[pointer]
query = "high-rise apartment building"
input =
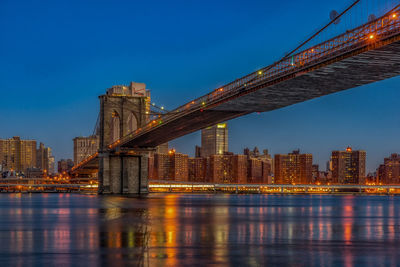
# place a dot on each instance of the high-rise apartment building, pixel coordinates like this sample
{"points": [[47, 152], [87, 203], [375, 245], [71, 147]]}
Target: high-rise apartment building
{"points": [[172, 166], [17, 154], [219, 169], [348, 167], [293, 168], [389, 171], [197, 169], [227, 169], [84, 147], [178, 166], [214, 140]]}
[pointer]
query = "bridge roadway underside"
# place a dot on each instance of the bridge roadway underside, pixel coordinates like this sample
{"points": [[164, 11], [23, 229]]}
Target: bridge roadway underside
{"points": [[344, 71]]}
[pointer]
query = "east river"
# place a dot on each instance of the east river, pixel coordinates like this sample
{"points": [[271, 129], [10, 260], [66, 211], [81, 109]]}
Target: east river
{"points": [[199, 230]]}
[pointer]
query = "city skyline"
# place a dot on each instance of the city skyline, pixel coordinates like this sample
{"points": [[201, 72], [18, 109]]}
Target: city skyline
{"points": [[65, 105]]}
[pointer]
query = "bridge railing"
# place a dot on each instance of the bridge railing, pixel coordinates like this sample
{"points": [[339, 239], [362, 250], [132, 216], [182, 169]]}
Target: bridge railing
{"points": [[363, 35]]}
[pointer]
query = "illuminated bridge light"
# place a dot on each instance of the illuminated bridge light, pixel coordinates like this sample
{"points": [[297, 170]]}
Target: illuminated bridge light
{"points": [[259, 72], [371, 36], [394, 15]]}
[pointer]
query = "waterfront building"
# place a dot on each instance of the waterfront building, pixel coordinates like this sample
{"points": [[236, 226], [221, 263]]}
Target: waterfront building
{"points": [[239, 169], [45, 159], [293, 168], [84, 147], [389, 171], [219, 169], [17, 155], [227, 169], [64, 165], [260, 166], [197, 169], [214, 140], [172, 166], [348, 167], [178, 166]]}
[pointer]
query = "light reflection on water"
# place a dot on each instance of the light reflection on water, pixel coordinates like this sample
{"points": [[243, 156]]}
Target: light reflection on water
{"points": [[178, 229]]}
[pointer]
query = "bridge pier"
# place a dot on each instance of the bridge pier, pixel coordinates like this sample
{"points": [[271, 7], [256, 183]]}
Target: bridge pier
{"points": [[123, 173]]}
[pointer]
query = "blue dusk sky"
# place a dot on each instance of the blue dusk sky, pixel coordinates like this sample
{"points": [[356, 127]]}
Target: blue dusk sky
{"points": [[58, 56]]}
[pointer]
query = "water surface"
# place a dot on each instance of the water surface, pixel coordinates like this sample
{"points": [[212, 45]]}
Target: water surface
{"points": [[199, 230]]}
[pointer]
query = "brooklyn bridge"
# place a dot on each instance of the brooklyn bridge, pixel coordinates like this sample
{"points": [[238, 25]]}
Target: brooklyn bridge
{"points": [[130, 130]]}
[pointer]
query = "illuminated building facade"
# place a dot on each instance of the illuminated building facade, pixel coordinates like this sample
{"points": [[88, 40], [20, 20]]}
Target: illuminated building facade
{"points": [[389, 171], [172, 166], [214, 140], [197, 169], [84, 147], [348, 167], [219, 169], [178, 166], [17, 154], [293, 168], [227, 168]]}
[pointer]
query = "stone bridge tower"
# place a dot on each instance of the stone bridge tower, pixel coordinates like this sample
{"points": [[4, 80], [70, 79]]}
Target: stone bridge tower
{"points": [[123, 109]]}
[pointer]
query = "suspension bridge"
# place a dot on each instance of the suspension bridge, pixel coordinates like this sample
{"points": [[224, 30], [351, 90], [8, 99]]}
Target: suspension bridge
{"points": [[365, 48]]}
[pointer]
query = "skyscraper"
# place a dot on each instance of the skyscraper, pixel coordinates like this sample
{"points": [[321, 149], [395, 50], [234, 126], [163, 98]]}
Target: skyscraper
{"points": [[348, 167], [214, 140], [17, 154], [293, 168]]}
